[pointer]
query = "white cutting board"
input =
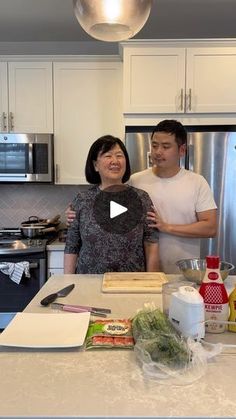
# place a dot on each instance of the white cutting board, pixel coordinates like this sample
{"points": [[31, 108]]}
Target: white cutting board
{"points": [[44, 330], [133, 282]]}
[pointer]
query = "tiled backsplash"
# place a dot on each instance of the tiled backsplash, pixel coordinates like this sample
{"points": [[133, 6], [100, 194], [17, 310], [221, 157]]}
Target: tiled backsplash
{"points": [[19, 202]]}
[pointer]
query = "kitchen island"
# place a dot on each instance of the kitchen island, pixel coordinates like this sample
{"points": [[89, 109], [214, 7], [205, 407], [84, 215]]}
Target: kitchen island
{"points": [[66, 383]]}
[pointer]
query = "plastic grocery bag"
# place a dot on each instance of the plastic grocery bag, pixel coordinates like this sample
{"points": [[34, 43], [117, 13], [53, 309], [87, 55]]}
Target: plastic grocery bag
{"points": [[227, 339], [164, 354]]}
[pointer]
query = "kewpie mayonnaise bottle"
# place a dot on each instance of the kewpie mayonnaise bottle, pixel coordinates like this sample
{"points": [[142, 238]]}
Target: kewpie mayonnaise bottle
{"points": [[215, 296]]}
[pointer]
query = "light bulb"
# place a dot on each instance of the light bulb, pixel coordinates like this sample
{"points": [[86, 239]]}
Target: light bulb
{"points": [[112, 20]]}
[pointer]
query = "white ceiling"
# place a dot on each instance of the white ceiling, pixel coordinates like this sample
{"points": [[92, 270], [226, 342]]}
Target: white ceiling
{"points": [[54, 20]]}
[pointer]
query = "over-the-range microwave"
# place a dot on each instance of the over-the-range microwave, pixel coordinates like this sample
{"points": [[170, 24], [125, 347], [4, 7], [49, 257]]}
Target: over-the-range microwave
{"points": [[26, 158]]}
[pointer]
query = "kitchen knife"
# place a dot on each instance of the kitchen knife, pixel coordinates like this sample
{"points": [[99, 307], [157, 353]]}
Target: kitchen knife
{"points": [[90, 308], [52, 297], [77, 309]]}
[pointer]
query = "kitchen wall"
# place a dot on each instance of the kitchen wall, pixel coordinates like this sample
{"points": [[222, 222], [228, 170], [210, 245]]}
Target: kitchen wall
{"points": [[64, 48], [18, 202]]}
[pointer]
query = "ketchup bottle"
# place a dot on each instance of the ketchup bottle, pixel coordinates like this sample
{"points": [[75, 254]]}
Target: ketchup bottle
{"points": [[214, 295]]}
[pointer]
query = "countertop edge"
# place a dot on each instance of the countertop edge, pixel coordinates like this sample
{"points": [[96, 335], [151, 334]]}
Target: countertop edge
{"points": [[56, 245]]}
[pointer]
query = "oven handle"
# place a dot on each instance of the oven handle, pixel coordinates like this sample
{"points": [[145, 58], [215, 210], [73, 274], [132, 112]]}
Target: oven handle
{"points": [[33, 265], [31, 164]]}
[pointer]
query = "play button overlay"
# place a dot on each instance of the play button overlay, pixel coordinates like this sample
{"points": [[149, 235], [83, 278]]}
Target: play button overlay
{"points": [[118, 209]]}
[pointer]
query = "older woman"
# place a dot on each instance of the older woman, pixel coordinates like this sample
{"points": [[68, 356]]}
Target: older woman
{"points": [[89, 247]]}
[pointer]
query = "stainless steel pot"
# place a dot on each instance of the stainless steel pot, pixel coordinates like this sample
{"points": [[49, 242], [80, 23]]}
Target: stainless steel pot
{"points": [[32, 230], [34, 220]]}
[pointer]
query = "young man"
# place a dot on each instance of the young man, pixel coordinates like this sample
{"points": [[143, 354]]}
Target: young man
{"points": [[184, 207]]}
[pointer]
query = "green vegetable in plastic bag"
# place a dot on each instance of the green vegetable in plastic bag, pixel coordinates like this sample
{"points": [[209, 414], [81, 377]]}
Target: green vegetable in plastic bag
{"points": [[146, 324], [163, 353], [156, 338]]}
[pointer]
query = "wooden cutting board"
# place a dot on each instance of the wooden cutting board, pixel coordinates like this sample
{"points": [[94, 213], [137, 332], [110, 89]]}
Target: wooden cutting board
{"points": [[133, 282]]}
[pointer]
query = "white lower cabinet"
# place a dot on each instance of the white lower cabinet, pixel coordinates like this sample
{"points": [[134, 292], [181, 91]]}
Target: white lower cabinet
{"points": [[55, 262], [87, 105]]}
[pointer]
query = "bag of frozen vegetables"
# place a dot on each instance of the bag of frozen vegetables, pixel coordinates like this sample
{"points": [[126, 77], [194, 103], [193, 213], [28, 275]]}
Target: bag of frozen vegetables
{"points": [[164, 354]]}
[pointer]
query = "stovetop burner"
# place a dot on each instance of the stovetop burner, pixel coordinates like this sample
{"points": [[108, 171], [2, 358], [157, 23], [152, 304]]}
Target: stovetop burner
{"points": [[6, 233], [6, 243], [12, 241]]}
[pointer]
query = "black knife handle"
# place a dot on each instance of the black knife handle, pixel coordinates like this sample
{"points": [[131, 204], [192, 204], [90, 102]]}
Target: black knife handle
{"points": [[49, 299]]}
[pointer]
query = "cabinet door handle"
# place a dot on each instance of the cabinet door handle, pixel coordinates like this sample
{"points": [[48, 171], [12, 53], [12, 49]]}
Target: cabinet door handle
{"points": [[185, 102], [4, 121], [182, 99], [11, 121], [190, 99]]}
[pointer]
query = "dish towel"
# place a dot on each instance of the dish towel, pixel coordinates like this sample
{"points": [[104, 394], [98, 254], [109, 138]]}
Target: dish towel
{"points": [[15, 270]]}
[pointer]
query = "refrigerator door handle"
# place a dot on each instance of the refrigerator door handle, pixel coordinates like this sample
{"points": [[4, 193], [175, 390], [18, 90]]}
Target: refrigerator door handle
{"points": [[190, 157]]}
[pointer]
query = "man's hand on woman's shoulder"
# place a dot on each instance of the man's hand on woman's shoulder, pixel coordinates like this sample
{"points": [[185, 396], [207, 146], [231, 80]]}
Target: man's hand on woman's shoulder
{"points": [[70, 215]]}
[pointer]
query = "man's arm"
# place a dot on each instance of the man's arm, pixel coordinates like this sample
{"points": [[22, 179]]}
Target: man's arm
{"points": [[205, 226], [151, 251]]}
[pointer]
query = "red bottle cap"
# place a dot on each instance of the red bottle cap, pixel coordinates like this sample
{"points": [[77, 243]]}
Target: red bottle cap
{"points": [[213, 262]]}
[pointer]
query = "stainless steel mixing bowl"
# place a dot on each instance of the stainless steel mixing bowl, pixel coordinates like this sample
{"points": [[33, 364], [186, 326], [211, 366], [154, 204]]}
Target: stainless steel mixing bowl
{"points": [[194, 269]]}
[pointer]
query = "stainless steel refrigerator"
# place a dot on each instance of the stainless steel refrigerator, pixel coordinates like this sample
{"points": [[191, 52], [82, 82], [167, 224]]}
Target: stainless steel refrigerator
{"points": [[211, 152]]}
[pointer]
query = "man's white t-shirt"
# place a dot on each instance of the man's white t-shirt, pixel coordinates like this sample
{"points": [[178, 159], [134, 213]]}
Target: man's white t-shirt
{"points": [[177, 199]]}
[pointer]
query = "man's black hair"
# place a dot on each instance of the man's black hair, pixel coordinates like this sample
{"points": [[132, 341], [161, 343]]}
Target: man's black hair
{"points": [[170, 126]]}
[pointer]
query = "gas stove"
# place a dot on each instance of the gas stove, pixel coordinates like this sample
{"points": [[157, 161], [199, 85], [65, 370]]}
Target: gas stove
{"points": [[14, 249], [12, 241]]}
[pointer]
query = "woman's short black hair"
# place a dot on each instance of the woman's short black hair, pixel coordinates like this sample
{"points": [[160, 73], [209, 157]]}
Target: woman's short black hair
{"points": [[102, 145], [170, 126]]}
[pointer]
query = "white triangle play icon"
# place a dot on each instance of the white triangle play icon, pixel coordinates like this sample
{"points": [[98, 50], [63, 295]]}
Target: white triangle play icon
{"points": [[116, 209]]}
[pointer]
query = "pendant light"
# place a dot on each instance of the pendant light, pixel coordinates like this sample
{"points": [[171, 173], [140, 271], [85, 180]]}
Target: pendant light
{"points": [[112, 20]]}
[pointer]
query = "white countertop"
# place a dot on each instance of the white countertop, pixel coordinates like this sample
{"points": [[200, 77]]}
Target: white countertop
{"points": [[104, 383], [56, 245]]}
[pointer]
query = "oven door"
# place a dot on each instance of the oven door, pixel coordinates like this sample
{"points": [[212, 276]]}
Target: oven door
{"points": [[15, 297], [15, 160]]}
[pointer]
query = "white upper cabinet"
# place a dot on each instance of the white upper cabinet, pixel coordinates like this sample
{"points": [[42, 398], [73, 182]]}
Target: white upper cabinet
{"points": [[87, 105], [3, 97], [154, 80], [211, 80], [26, 98], [179, 80]]}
